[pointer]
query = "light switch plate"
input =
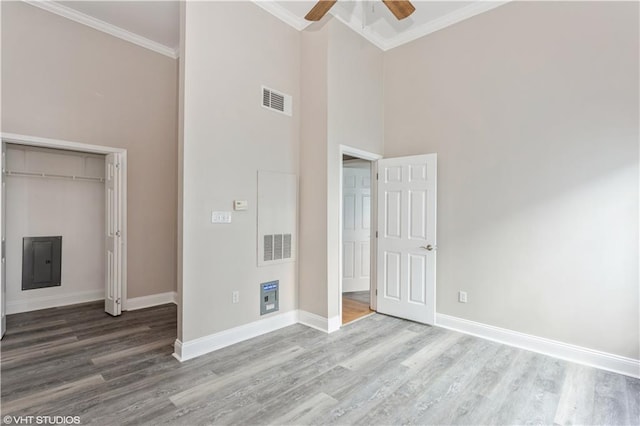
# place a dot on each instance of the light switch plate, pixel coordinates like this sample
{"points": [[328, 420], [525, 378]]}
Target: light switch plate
{"points": [[220, 217]]}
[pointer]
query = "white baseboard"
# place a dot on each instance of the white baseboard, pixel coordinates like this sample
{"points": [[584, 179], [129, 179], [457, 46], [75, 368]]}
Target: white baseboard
{"points": [[184, 351], [566, 351], [313, 321], [151, 300], [334, 324], [348, 288], [177, 350], [327, 325], [37, 303]]}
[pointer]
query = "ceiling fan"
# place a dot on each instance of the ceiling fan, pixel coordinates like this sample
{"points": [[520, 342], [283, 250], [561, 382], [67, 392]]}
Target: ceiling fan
{"points": [[400, 8]]}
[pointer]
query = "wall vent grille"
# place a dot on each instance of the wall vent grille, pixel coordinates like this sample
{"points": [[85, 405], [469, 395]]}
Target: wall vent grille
{"points": [[276, 101], [268, 248], [277, 247]]}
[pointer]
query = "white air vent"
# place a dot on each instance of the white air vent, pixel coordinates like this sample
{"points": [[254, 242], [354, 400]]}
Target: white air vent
{"points": [[276, 101], [277, 247]]}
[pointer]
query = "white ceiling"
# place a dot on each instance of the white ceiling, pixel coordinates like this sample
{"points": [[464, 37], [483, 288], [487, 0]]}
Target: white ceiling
{"points": [[158, 21], [155, 24]]}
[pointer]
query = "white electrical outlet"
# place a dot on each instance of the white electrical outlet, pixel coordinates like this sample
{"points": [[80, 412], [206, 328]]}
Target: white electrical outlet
{"points": [[235, 297], [462, 296]]}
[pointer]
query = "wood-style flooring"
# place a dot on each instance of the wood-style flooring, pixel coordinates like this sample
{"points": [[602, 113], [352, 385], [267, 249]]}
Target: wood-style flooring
{"points": [[355, 305], [78, 361]]}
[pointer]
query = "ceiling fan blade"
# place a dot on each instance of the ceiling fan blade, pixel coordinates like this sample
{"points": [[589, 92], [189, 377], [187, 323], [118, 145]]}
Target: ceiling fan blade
{"points": [[319, 10], [400, 8]]}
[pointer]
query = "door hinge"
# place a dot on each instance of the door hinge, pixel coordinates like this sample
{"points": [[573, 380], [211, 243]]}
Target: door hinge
{"points": [[376, 291], [376, 234], [377, 176]]}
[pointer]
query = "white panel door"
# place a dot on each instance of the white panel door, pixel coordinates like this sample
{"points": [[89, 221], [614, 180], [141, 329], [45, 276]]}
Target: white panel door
{"points": [[113, 236], [3, 260], [406, 255], [356, 228]]}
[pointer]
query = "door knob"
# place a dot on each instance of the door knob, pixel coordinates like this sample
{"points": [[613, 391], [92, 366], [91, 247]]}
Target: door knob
{"points": [[429, 247]]}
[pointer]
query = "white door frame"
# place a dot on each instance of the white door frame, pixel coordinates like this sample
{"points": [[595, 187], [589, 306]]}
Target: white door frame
{"points": [[371, 157], [93, 149]]}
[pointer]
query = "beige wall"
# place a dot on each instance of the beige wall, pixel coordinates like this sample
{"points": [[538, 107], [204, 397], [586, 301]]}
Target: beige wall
{"points": [[356, 119], [313, 170], [342, 105], [228, 137], [63, 80], [533, 111]]}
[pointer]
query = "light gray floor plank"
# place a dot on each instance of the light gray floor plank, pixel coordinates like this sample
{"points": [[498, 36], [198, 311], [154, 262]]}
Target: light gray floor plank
{"points": [[47, 395], [575, 406], [140, 349], [306, 411], [610, 404], [633, 399]]}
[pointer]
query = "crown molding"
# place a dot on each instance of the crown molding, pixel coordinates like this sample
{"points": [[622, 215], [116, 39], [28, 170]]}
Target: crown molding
{"points": [[283, 14], [447, 20], [356, 25], [97, 24]]}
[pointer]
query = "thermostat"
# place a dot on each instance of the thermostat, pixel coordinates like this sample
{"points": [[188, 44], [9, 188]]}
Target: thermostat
{"points": [[240, 205]]}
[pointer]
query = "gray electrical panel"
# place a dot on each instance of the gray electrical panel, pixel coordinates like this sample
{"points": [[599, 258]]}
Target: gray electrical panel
{"points": [[41, 262], [269, 297]]}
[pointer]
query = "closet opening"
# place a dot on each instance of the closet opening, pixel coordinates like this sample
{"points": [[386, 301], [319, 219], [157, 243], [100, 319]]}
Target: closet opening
{"points": [[63, 225]]}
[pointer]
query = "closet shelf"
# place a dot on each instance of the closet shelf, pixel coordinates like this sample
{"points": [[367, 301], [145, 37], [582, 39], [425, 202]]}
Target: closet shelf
{"points": [[53, 176]]}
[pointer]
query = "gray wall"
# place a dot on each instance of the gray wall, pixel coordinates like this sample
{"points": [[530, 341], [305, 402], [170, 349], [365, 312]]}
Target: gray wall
{"points": [[63, 80], [533, 111]]}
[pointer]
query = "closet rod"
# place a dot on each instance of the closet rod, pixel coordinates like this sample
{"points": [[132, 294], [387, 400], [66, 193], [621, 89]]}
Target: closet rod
{"points": [[53, 176]]}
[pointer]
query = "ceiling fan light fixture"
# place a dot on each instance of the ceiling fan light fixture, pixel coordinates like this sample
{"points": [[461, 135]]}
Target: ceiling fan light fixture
{"points": [[320, 9], [400, 9]]}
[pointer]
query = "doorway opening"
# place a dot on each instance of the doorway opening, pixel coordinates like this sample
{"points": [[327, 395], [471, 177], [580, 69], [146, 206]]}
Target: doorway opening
{"points": [[62, 200], [356, 238], [357, 234], [402, 235]]}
